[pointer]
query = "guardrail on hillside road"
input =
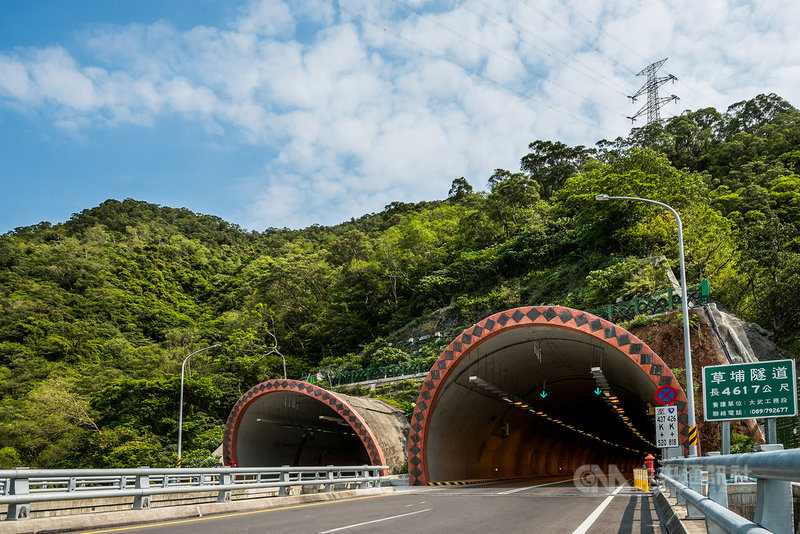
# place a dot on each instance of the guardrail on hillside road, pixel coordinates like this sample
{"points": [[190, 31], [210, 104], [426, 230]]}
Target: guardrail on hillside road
{"points": [[20, 487], [774, 470]]}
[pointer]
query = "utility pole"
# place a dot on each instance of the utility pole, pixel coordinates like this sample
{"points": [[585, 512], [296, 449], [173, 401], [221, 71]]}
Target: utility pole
{"points": [[654, 103]]}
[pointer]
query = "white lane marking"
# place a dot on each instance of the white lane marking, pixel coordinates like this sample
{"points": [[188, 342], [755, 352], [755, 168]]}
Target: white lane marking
{"points": [[583, 527], [509, 492], [374, 521]]}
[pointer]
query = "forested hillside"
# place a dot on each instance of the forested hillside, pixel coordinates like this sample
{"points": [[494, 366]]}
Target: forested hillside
{"points": [[99, 312]]}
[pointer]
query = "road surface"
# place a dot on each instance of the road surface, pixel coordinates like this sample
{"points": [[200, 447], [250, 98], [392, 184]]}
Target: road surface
{"points": [[544, 504]]}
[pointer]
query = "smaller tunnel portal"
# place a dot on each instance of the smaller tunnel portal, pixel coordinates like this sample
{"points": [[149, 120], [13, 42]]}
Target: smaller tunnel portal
{"points": [[291, 422], [286, 428]]}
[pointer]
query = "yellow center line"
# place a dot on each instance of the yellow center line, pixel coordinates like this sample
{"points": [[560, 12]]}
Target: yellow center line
{"points": [[236, 514]]}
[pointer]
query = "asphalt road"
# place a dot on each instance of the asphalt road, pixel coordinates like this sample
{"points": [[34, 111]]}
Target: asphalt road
{"points": [[545, 504]]}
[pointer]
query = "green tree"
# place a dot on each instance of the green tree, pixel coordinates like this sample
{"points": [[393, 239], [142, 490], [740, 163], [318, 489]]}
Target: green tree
{"points": [[630, 227], [9, 458], [459, 189], [551, 164], [512, 200]]}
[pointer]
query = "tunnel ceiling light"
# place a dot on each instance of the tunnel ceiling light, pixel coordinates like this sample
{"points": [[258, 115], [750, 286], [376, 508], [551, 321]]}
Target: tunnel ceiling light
{"points": [[287, 424], [516, 402], [613, 401], [337, 420]]}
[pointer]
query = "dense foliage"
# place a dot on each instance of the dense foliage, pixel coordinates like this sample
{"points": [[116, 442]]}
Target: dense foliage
{"points": [[100, 311]]}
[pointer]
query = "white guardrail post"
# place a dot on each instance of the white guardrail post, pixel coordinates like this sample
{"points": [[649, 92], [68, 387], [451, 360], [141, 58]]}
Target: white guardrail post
{"points": [[695, 484], [328, 480], [717, 484], [683, 478], [224, 495], [19, 487], [142, 501], [284, 478], [774, 507], [376, 474]]}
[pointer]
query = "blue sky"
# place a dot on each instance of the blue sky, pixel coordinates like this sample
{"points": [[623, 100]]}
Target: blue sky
{"points": [[274, 113]]}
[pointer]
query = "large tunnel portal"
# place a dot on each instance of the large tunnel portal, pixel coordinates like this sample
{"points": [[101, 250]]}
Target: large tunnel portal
{"points": [[537, 390]]}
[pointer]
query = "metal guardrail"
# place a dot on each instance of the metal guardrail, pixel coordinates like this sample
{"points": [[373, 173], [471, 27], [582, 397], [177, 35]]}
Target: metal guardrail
{"points": [[718, 518], [20, 487], [660, 302], [774, 470]]}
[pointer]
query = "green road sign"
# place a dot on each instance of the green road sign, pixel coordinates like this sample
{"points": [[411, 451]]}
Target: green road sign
{"points": [[748, 390]]}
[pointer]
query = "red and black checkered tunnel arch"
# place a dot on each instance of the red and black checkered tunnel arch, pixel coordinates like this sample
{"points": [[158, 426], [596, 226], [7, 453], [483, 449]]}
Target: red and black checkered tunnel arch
{"points": [[504, 346], [291, 422]]}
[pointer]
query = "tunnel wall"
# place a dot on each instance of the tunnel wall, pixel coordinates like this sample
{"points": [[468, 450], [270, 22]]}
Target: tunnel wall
{"points": [[330, 399], [558, 316], [389, 426]]}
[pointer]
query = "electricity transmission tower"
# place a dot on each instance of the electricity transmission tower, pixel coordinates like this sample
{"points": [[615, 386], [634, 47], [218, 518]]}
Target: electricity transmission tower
{"points": [[654, 103]]}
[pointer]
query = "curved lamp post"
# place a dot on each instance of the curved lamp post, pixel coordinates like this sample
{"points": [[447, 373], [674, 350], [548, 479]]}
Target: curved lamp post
{"points": [[180, 417], [687, 347]]}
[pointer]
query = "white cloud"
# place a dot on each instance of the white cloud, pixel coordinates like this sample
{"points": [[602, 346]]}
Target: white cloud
{"points": [[358, 118], [56, 77], [266, 18], [15, 82]]}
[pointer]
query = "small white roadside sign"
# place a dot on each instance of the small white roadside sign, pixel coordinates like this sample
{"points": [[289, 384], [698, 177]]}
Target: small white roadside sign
{"points": [[666, 426]]}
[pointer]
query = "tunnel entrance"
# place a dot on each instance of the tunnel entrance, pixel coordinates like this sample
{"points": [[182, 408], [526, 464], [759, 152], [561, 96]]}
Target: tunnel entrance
{"points": [[288, 422], [537, 390]]}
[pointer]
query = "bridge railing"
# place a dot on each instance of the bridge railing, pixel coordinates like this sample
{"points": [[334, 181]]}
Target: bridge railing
{"points": [[774, 470], [21, 487]]}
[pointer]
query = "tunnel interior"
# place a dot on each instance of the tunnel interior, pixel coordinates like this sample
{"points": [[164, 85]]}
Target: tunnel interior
{"points": [[539, 399], [290, 428]]}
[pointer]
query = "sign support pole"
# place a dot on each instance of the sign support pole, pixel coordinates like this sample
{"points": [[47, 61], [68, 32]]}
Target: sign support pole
{"points": [[772, 430], [726, 437]]}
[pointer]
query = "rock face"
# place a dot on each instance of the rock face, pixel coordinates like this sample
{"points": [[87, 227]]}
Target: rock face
{"points": [[743, 342], [732, 345]]}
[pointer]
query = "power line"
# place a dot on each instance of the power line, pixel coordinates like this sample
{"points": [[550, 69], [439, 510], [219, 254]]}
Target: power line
{"points": [[601, 30], [466, 68], [602, 77], [575, 35], [501, 56]]}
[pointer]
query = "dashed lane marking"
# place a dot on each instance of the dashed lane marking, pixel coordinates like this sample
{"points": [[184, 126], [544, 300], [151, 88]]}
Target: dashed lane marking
{"points": [[374, 521], [509, 492], [237, 514]]}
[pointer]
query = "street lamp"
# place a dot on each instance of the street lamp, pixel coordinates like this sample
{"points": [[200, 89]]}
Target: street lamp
{"points": [[180, 417], [687, 347]]}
